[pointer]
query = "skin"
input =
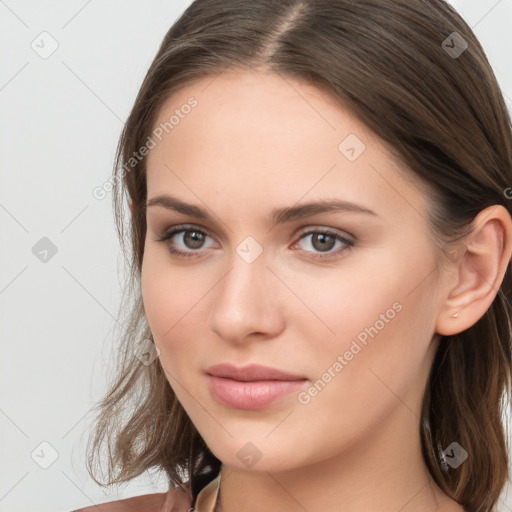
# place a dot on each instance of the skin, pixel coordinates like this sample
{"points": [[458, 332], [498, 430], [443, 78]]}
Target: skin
{"points": [[256, 142]]}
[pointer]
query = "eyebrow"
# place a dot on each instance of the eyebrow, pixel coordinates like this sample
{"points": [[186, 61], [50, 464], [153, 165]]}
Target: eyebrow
{"points": [[277, 216]]}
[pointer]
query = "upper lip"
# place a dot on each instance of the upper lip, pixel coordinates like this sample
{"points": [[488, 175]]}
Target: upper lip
{"points": [[252, 372]]}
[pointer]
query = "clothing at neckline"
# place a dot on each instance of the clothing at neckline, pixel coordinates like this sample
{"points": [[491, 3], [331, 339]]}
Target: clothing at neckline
{"points": [[207, 497]]}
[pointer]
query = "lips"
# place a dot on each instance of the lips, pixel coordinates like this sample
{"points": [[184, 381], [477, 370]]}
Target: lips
{"points": [[252, 372], [251, 387]]}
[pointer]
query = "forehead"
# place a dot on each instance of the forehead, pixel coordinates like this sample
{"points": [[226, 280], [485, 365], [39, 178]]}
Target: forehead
{"points": [[261, 136]]}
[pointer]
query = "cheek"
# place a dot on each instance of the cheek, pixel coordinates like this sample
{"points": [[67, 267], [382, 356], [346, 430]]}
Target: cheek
{"points": [[382, 323], [373, 296], [350, 302], [162, 296], [174, 304]]}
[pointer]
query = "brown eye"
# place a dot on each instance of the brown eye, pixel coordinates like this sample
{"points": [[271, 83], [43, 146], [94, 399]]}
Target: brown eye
{"points": [[193, 239], [184, 241], [321, 243]]}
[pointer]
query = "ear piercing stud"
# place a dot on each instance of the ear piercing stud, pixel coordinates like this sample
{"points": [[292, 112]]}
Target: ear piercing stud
{"points": [[455, 315]]}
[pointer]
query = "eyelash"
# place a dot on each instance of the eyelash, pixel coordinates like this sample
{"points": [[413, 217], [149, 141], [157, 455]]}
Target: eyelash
{"points": [[190, 254]]}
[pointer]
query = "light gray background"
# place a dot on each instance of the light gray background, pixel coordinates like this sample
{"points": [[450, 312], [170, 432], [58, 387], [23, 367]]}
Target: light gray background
{"points": [[61, 117]]}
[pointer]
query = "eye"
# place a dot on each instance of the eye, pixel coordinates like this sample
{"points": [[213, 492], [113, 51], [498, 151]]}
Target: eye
{"points": [[188, 241], [323, 240]]}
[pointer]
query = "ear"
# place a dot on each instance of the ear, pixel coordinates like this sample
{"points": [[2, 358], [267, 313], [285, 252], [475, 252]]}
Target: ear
{"points": [[478, 271]]}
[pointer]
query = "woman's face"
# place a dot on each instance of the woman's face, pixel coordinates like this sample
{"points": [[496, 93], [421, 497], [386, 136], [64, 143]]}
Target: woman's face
{"points": [[344, 298]]}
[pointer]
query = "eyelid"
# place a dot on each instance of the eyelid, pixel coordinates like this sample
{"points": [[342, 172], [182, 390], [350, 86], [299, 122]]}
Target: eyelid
{"points": [[324, 229]]}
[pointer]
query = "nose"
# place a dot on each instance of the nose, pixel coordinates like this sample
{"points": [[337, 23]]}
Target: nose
{"points": [[248, 302]]}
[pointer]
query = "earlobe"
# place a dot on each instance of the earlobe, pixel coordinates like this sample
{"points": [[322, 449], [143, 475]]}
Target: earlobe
{"points": [[480, 271]]}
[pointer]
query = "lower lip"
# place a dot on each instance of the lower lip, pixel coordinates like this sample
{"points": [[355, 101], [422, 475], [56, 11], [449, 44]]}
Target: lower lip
{"points": [[251, 395]]}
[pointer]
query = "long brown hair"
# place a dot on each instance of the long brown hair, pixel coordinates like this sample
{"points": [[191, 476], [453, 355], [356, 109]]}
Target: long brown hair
{"points": [[414, 72]]}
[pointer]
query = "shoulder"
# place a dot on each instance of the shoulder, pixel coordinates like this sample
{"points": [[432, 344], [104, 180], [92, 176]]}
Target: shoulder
{"points": [[174, 500]]}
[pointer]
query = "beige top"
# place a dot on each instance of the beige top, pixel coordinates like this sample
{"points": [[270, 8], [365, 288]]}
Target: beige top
{"points": [[207, 497]]}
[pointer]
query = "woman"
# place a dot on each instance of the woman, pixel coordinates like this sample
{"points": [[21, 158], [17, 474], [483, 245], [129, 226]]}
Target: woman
{"points": [[320, 238]]}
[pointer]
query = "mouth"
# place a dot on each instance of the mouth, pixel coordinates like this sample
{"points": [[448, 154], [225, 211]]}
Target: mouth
{"points": [[251, 387]]}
